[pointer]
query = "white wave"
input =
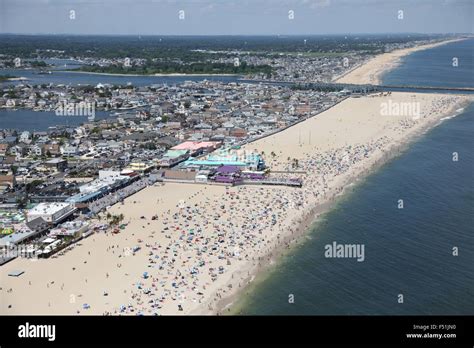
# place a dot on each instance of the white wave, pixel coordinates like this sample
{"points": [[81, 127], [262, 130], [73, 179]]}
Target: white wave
{"points": [[458, 112], [448, 117]]}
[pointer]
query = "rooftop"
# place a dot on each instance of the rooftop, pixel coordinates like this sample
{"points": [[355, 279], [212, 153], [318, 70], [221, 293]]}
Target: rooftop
{"points": [[48, 208], [195, 145]]}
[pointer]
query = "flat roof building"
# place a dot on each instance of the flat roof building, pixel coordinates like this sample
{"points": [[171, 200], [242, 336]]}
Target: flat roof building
{"points": [[51, 212], [70, 229], [172, 157], [195, 147], [251, 161]]}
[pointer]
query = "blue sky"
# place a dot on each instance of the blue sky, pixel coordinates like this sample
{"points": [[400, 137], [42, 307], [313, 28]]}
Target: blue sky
{"points": [[235, 17]]}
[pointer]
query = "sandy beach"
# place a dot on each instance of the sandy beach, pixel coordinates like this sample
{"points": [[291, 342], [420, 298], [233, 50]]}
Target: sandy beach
{"points": [[209, 242], [371, 71]]}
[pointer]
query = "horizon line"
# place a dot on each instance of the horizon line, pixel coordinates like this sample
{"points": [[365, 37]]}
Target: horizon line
{"points": [[237, 35]]}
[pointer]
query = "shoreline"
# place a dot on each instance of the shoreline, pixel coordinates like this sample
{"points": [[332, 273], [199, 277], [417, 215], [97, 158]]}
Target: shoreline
{"points": [[307, 219], [372, 71], [311, 217], [212, 208]]}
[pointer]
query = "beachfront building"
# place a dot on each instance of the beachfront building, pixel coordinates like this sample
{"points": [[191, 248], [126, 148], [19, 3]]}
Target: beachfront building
{"points": [[74, 229], [243, 160], [173, 157], [229, 174], [108, 181], [48, 247], [52, 213]]}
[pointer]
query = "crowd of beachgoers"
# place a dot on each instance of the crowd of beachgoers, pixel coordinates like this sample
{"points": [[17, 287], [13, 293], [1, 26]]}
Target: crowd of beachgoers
{"points": [[220, 231], [188, 248], [244, 224]]}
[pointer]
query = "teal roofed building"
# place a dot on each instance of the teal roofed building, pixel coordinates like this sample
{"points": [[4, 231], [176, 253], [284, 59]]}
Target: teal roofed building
{"points": [[173, 157], [251, 161]]}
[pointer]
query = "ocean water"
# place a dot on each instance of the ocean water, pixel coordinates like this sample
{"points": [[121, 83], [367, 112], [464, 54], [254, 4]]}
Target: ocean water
{"points": [[29, 120], [408, 251], [434, 67]]}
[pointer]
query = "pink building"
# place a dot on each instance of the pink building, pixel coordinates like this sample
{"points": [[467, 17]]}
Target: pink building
{"points": [[197, 147]]}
